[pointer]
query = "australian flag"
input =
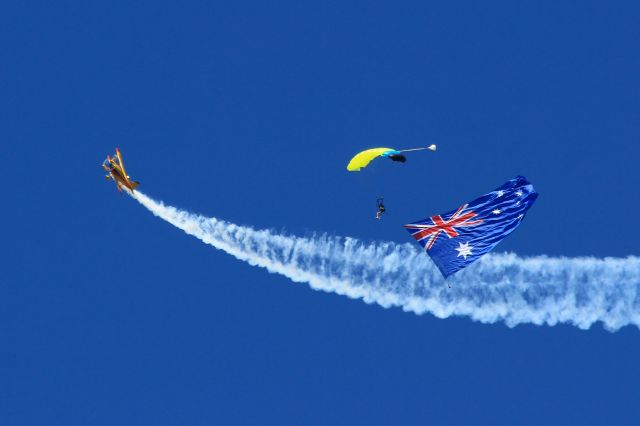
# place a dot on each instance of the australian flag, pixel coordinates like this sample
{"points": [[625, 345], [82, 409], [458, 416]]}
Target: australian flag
{"points": [[458, 238]]}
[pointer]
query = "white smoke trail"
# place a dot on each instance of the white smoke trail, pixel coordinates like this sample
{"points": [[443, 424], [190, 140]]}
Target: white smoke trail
{"points": [[498, 287]]}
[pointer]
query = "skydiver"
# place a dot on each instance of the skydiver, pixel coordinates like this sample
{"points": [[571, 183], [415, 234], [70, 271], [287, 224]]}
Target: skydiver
{"points": [[381, 208]]}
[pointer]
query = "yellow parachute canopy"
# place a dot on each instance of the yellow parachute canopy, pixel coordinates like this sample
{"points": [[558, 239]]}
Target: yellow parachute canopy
{"points": [[362, 159]]}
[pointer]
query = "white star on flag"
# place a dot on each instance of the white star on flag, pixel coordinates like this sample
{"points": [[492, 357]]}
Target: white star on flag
{"points": [[519, 193], [464, 250], [496, 211], [500, 193]]}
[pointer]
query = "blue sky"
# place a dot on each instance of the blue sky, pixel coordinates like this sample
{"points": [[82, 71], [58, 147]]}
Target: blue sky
{"points": [[250, 112]]}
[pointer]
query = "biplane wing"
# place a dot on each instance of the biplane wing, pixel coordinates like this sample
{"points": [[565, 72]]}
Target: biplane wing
{"points": [[121, 164]]}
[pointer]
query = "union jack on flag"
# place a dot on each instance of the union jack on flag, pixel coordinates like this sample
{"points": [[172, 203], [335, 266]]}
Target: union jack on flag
{"points": [[460, 237]]}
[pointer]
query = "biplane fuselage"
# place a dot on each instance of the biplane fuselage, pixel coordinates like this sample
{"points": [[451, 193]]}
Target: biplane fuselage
{"points": [[117, 172]]}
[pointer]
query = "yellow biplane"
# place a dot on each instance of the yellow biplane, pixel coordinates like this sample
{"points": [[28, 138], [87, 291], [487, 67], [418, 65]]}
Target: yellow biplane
{"points": [[116, 170]]}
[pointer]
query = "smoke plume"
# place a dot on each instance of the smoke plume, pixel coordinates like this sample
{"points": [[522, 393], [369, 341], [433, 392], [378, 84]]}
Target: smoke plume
{"points": [[499, 287]]}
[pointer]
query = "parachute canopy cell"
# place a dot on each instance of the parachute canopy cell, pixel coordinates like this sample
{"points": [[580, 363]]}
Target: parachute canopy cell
{"points": [[362, 159]]}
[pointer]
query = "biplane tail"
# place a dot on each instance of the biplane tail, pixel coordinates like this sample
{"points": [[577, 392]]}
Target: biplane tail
{"points": [[134, 184]]}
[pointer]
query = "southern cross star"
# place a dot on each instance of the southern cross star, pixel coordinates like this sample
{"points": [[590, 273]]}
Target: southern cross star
{"points": [[464, 250]]}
